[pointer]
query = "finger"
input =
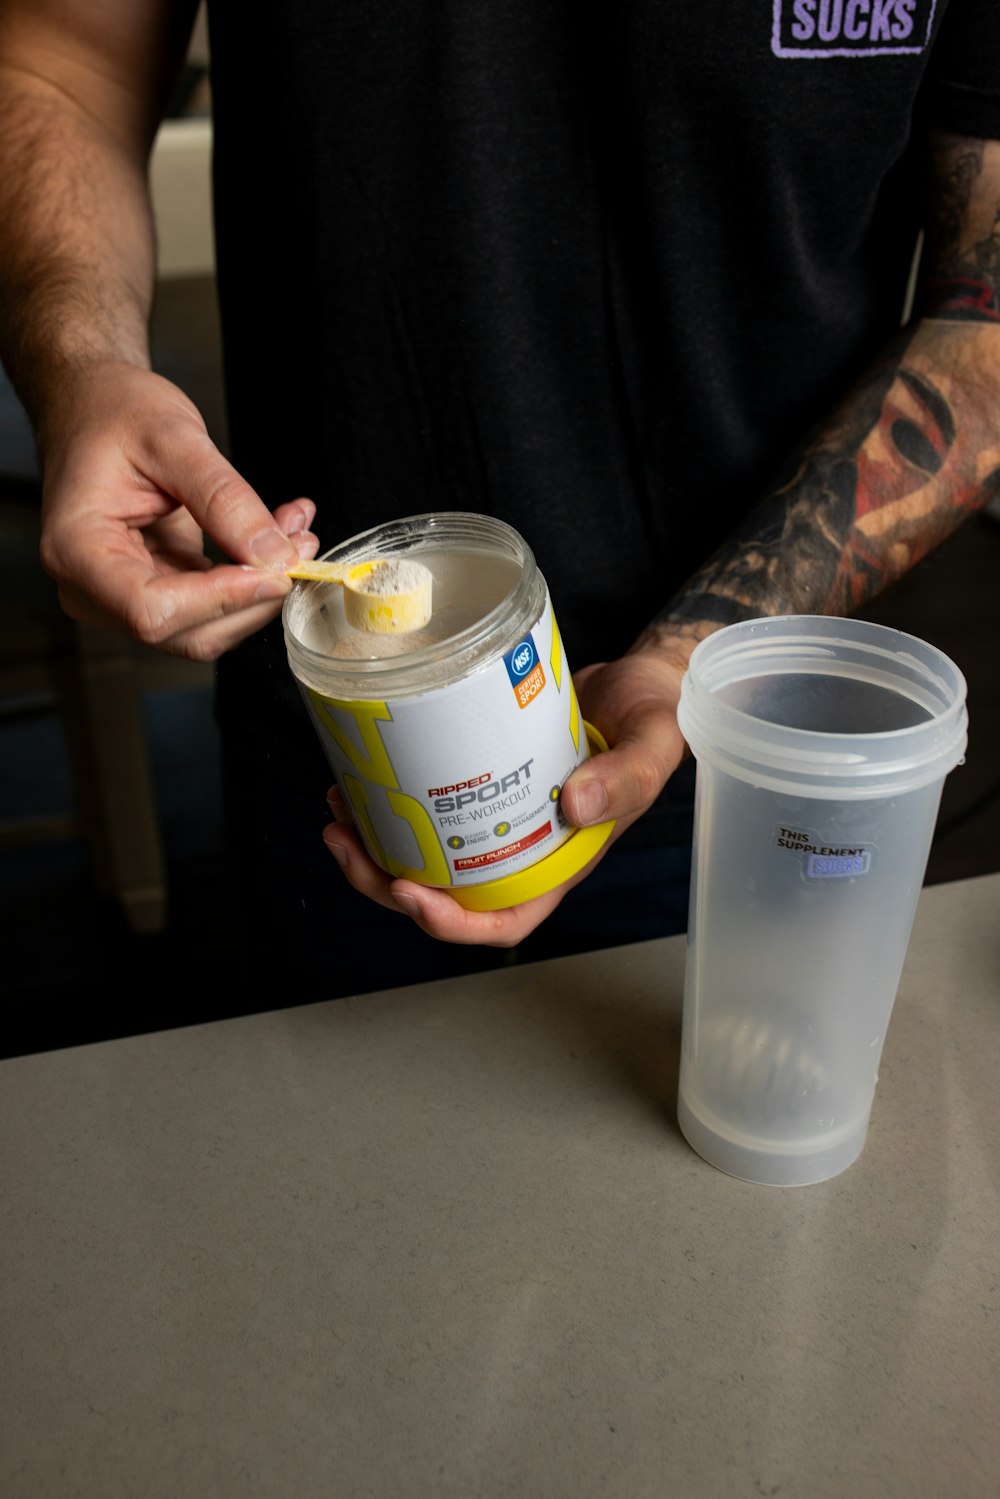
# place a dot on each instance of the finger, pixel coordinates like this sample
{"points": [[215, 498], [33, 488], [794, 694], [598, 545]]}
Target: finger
{"points": [[435, 911], [205, 642], [178, 455], [359, 870], [633, 701], [117, 580], [628, 778], [176, 535], [187, 608], [337, 805], [306, 543], [440, 916], [295, 517], [210, 641]]}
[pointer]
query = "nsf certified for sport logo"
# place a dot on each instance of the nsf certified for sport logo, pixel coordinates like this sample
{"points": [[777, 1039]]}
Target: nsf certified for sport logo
{"points": [[520, 660], [851, 28], [525, 671]]}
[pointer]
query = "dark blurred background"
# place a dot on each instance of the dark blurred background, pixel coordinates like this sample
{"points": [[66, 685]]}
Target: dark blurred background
{"points": [[112, 883]]}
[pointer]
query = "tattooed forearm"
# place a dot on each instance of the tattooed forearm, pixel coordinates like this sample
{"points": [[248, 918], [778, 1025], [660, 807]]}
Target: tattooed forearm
{"points": [[961, 276], [911, 454], [912, 451]]}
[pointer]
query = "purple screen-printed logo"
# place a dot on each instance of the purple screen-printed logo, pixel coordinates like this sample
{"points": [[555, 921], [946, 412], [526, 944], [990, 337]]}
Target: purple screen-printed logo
{"points": [[851, 28]]}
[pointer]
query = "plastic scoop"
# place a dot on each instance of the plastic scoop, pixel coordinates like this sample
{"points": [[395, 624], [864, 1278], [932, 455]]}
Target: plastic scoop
{"points": [[390, 596]]}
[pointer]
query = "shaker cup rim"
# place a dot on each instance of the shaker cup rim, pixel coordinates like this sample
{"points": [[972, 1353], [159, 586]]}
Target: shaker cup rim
{"points": [[784, 757]]}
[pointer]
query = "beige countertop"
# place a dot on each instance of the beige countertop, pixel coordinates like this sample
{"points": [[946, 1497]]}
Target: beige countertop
{"points": [[448, 1241]]}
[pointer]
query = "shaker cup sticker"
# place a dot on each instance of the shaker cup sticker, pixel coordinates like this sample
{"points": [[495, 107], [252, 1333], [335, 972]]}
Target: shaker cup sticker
{"points": [[823, 858]]}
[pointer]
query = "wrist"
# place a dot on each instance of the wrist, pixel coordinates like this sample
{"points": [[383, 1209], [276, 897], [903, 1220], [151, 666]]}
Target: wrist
{"points": [[672, 638], [72, 391], [53, 378]]}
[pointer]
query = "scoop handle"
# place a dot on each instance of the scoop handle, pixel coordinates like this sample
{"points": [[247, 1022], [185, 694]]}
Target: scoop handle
{"points": [[330, 572]]}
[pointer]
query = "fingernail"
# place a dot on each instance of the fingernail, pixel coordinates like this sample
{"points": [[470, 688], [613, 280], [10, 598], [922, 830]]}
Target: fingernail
{"points": [[271, 549], [300, 519], [272, 588], [338, 851], [306, 543], [591, 801], [407, 903]]}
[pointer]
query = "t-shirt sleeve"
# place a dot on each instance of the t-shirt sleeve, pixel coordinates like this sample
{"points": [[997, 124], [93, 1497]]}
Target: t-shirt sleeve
{"points": [[961, 91]]}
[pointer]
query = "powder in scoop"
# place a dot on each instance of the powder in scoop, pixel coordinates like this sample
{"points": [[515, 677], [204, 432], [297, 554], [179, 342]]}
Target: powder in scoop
{"points": [[468, 583], [395, 575]]}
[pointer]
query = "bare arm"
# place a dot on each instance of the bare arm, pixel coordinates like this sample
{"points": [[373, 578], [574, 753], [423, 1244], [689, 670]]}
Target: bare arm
{"points": [[910, 452], [130, 476], [80, 95]]}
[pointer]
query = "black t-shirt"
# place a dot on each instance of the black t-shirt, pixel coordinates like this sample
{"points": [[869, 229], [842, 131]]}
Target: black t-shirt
{"points": [[594, 268]]}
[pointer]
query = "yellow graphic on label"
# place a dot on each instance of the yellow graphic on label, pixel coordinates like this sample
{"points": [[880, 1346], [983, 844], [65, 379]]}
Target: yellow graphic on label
{"points": [[370, 758], [555, 656], [435, 869], [574, 716], [357, 795], [556, 662]]}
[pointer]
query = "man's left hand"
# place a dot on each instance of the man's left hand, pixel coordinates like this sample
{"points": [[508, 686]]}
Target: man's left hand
{"points": [[633, 702]]}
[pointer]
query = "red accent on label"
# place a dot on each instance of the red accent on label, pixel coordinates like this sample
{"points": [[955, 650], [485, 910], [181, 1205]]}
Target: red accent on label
{"points": [[461, 785], [494, 855], [528, 690]]}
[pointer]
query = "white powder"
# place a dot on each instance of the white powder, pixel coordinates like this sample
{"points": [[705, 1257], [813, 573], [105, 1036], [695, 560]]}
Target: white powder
{"points": [[364, 646], [468, 583], [394, 575]]}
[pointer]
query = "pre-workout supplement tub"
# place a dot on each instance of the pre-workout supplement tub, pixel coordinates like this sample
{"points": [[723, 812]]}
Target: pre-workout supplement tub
{"points": [[451, 744]]}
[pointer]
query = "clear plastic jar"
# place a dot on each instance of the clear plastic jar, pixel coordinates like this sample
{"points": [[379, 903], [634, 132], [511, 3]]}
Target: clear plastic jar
{"points": [[451, 744]]}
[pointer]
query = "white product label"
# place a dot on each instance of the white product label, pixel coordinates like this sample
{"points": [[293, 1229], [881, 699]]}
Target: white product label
{"points": [[461, 784]]}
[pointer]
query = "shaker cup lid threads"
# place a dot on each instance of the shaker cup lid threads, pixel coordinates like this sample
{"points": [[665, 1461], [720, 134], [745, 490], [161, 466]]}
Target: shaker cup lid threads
{"points": [[749, 706]]}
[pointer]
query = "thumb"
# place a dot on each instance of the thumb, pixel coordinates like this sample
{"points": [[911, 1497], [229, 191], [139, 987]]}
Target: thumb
{"points": [[624, 781], [639, 723]]}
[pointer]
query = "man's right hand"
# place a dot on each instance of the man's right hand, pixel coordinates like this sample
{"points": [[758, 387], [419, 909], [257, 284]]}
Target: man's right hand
{"points": [[130, 476], [131, 480]]}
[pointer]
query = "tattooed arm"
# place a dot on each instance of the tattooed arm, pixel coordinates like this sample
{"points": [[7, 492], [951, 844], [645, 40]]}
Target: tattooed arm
{"points": [[913, 449], [910, 453]]}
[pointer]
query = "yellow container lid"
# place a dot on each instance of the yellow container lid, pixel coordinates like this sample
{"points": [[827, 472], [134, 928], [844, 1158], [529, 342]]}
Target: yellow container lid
{"points": [[554, 870]]}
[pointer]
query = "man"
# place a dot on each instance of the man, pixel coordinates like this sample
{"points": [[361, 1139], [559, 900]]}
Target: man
{"points": [[626, 276]]}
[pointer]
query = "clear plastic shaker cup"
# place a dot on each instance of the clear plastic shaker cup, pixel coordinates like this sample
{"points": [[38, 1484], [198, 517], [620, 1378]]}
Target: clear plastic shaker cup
{"points": [[822, 747]]}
